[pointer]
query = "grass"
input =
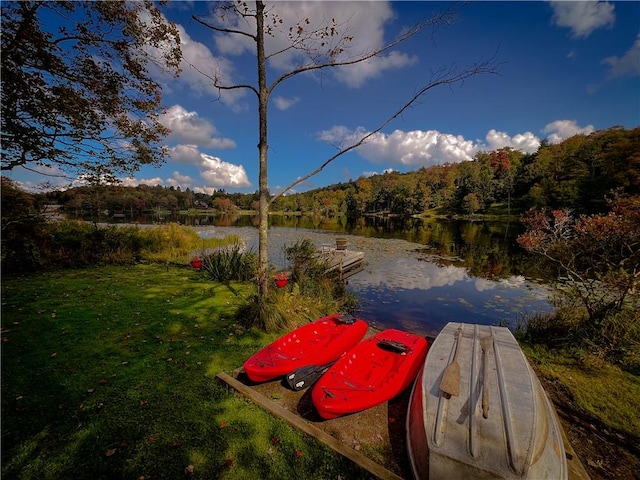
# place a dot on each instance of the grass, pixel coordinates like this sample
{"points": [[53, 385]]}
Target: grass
{"points": [[109, 372], [604, 391]]}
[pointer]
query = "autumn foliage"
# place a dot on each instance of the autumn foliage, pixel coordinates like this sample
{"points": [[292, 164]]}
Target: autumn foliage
{"points": [[598, 259]]}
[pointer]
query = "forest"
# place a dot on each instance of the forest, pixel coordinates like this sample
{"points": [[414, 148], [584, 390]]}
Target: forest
{"points": [[577, 173]]}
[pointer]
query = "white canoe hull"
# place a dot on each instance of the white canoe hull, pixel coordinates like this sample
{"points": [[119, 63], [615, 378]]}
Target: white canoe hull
{"points": [[450, 438]]}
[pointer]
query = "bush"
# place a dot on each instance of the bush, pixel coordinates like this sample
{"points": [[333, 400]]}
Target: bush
{"points": [[263, 313], [310, 294], [231, 263], [598, 257], [32, 245]]}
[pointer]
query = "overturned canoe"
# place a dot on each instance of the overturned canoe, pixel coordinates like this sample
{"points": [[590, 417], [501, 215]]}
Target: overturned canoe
{"points": [[317, 343], [374, 371], [500, 424]]}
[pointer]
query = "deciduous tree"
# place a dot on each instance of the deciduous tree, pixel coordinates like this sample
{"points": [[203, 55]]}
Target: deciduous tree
{"points": [[598, 255], [323, 46], [77, 93]]}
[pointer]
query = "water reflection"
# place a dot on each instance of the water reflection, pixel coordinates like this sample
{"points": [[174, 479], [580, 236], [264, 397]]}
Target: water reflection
{"points": [[414, 286], [420, 274]]}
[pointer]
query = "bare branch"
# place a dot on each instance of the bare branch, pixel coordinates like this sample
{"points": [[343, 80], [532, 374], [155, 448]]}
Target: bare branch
{"points": [[442, 18], [223, 29], [448, 77], [214, 81]]}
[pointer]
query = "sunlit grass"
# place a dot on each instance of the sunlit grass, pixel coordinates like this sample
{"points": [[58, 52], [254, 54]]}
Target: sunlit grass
{"points": [[602, 390], [110, 373]]}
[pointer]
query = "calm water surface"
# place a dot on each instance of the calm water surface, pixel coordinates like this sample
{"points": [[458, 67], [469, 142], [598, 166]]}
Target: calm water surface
{"points": [[419, 277]]}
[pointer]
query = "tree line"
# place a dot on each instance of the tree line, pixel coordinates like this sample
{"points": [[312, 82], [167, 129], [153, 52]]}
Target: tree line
{"points": [[578, 173]]}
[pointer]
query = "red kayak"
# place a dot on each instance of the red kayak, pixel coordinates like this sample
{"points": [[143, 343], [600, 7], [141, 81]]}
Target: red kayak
{"points": [[372, 372], [318, 343]]}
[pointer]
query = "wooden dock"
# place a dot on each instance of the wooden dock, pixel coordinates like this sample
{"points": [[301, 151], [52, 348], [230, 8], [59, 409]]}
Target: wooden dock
{"points": [[344, 262], [340, 260]]}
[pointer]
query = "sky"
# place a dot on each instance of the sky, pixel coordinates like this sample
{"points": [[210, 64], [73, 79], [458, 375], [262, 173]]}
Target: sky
{"points": [[564, 68]]}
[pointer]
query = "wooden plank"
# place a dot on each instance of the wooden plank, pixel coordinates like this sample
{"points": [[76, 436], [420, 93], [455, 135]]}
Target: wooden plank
{"points": [[341, 259], [294, 420]]}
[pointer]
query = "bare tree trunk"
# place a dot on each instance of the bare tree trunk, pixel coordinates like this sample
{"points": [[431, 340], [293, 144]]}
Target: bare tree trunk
{"points": [[306, 38], [263, 212]]}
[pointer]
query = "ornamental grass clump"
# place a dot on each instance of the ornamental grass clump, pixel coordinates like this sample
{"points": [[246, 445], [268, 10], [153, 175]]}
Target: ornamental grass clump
{"points": [[230, 263], [310, 293]]}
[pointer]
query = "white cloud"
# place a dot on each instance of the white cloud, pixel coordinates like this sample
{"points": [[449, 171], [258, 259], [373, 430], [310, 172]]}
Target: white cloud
{"points": [[628, 64], [415, 148], [223, 174], [583, 17], [341, 136], [206, 190], [411, 274], [179, 180], [213, 170], [185, 154], [134, 182], [562, 129], [364, 21], [420, 148], [526, 142], [189, 127], [371, 174], [200, 66], [483, 285], [283, 103]]}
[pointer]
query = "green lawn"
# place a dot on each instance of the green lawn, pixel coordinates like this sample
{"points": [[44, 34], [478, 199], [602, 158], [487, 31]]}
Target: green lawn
{"points": [[109, 372]]}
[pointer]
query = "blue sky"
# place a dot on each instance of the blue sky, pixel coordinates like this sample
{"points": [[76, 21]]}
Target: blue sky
{"points": [[566, 68]]}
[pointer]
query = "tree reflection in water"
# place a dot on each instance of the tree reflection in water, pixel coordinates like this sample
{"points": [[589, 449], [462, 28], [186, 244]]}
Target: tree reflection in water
{"points": [[421, 275]]}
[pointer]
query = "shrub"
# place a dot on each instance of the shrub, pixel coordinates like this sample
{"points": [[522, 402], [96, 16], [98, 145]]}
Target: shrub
{"points": [[263, 313], [598, 257], [32, 246], [230, 263], [310, 294]]}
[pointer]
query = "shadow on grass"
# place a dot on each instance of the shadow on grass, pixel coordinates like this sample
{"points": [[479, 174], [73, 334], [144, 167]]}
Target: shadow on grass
{"points": [[121, 384]]}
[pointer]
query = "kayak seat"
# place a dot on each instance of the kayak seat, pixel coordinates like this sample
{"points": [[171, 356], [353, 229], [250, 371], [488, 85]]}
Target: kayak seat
{"points": [[393, 346]]}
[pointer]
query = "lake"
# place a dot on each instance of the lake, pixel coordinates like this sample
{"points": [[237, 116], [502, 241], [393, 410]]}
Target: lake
{"points": [[419, 274]]}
